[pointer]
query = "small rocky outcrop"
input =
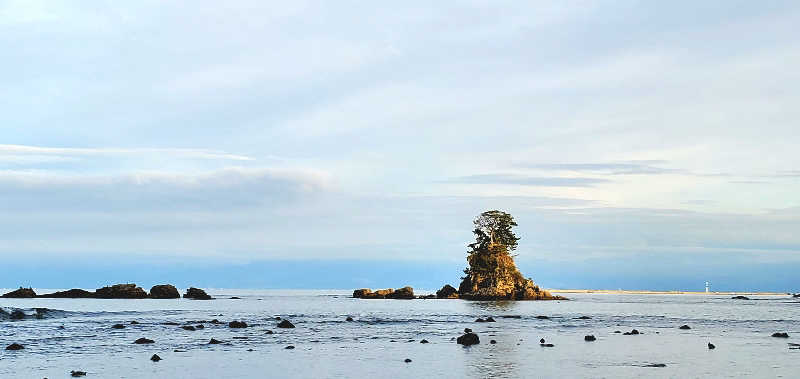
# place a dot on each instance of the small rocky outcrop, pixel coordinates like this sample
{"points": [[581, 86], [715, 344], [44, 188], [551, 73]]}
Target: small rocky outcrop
{"points": [[121, 291], [214, 342], [117, 326], [155, 358], [237, 324], [142, 341], [631, 333], [740, 297], [361, 293], [589, 338], [447, 292], [468, 339], [349, 319], [684, 327], [76, 374], [20, 293], [164, 291], [366, 293], [196, 294], [75, 293], [290, 347], [711, 346], [405, 293], [780, 335], [15, 346], [17, 315], [286, 324]]}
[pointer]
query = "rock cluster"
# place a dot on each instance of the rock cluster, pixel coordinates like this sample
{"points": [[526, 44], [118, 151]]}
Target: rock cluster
{"points": [[74, 293], [196, 294], [121, 291], [21, 293], [447, 292], [389, 293], [164, 291]]}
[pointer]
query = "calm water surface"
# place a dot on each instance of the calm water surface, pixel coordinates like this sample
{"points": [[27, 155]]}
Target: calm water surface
{"points": [[386, 332]]}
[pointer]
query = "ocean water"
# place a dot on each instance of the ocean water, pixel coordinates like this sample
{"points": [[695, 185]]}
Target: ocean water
{"points": [[76, 334]]}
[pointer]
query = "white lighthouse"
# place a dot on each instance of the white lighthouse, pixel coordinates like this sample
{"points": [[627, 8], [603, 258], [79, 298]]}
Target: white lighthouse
{"points": [[707, 286]]}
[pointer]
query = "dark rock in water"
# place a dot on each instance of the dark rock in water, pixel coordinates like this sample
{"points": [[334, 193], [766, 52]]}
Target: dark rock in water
{"points": [[117, 326], [155, 358], [61, 326], [685, 327], [200, 326], [290, 347], [584, 318], [237, 324], [408, 360], [172, 323], [405, 293], [796, 295], [423, 341], [196, 294], [215, 321], [617, 332], [75, 293], [285, 324], [164, 291], [467, 330], [589, 338], [77, 373], [235, 298], [468, 339], [655, 365], [546, 345], [425, 297], [780, 335], [349, 318], [631, 333], [143, 341], [541, 340], [711, 346], [492, 342], [214, 342], [134, 322], [121, 291], [542, 317], [15, 346], [480, 320], [21, 293], [740, 298], [447, 292], [511, 316], [489, 319], [188, 327], [250, 350], [17, 314], [268, 332], [278, 318], [362, 293]]}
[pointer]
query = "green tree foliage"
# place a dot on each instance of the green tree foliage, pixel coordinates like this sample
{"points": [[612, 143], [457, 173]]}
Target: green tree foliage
{"points": [[494, 226]]}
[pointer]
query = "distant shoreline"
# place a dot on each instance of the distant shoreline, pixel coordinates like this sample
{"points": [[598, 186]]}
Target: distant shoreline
{"points": [[645, 292]]}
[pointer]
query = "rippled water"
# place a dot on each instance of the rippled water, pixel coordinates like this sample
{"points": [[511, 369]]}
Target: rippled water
{"points": [[76, 334]]}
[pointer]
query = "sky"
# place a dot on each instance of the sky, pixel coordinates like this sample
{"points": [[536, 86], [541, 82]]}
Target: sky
{"points": [[304, 144]]}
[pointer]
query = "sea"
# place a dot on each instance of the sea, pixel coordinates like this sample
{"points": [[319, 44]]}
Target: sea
{"points": [[64, 335]]}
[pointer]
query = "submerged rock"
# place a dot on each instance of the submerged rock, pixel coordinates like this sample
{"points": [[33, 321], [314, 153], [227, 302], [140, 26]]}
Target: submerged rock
{"points": [[348, 318], [589, 338], [740, 298], [155, 358], [285, 324], [631, 333], [447, 292], [468, 339], [489, 319], [711, 346], [655, 365], [237, 324], [20, 293], [408, 360], [17, 315], [290, 347], [780, 335], [214, 342], [121, 291], [546, 345], [542, 317], [143, 340], [196, 294], [584, 318], [15, 346], [117, 326], [685, 327], [189, 328], [77, 373], [492, 342], [164, 291], [480, 320], [424, 341]]}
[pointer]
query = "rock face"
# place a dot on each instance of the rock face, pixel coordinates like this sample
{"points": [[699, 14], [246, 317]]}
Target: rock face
{"points": [[121, 291], [15, 346], [197, 294], [21, 293], [402, 293], [492, 275], [74, 293], [447, 292], [164, 291]]}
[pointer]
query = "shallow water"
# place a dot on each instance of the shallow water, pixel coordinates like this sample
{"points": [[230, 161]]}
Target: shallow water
{"points": [[386, 332]]}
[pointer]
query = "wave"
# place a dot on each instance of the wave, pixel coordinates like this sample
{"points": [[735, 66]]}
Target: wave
{"points": [[9, 313]]}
